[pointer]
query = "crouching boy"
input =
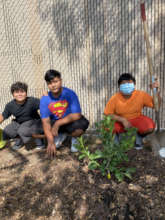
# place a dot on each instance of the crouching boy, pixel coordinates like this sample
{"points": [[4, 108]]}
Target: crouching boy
{"points": [[126, 106], [26, 118], [61, 114]]}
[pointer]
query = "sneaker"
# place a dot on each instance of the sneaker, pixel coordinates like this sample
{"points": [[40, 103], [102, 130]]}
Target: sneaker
{"points": [[73, 143], [139, 142], [116, 139], [59, 139], [18, 144], [162, 152], [39, 144], [138, 147], [40, 147]]}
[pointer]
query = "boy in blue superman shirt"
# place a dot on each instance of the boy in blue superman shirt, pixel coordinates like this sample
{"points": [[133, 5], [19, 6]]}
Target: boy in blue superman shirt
{"points": [[61, 113]]}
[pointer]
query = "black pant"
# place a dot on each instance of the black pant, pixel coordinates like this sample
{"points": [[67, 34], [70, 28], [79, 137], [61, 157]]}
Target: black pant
{"points": [[82, 123]]}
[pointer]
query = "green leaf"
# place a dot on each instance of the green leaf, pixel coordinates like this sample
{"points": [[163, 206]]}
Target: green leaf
{"points": [[93, 165], [95, 156], [98, 152], [119, 176], [127, 174], [81, 156], [131, 170]]}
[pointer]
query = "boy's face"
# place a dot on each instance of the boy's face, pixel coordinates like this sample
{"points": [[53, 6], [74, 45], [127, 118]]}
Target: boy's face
{"points": [[20, 95], [55, 85]]}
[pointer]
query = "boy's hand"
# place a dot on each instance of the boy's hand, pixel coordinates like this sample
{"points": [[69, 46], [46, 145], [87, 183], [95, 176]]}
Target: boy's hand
{"points": [[155, 85], [51, 150], [45, 93], [126, 123]]}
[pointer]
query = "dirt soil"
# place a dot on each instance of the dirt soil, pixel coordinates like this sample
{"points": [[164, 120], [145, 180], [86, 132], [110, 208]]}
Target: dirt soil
{"points": [[32, 186]]}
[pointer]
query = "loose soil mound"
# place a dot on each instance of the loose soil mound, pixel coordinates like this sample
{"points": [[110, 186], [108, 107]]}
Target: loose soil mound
{"points": [[34, 187]]}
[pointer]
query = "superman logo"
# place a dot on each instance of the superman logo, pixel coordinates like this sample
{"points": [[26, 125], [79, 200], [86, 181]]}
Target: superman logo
{"points": [[58, 108]]}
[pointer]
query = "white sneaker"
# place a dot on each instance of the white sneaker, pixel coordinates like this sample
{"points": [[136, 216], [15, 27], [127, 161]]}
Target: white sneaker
{"points": [[74, 141], [40, 147], [162, 152], [138, 147], [59, 139]]}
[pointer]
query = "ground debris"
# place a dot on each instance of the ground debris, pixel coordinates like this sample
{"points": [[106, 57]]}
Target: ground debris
{"points": [[134, 187], [35, 187]]}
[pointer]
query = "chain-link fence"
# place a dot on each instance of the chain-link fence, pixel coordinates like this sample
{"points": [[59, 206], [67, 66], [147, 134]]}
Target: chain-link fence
{"points": [[91, 42]]}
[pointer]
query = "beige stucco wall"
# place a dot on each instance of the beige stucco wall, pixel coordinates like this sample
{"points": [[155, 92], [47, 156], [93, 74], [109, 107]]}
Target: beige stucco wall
{"points": [[90, 41]]}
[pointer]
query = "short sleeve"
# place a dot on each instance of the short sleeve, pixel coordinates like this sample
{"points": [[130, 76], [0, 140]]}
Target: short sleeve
{"points": [[147, 100], [44, 110], [110, 107], [74, 103], [6, 113]]}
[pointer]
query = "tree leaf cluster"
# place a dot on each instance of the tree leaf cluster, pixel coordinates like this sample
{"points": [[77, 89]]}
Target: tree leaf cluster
{"points": [[112, 157]]}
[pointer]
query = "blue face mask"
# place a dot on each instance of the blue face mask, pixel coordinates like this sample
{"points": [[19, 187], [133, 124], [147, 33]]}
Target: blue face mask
{"points": [[127, 88]]}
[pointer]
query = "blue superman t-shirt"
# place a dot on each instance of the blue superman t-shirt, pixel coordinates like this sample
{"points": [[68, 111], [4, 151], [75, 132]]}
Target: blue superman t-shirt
{"points": [[60, 107]]}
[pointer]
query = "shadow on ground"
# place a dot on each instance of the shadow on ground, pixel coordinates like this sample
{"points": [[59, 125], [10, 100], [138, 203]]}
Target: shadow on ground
{"points": [[33, 186]]}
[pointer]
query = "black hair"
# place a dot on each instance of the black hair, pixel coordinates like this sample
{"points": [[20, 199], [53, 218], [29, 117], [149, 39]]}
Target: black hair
{"points": [[126, 76], [17, 86], [51, 74]]}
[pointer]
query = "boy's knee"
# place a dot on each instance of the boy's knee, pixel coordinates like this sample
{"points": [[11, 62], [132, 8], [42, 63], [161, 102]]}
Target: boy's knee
{"points": [[77, 133], [148, 131], [8, 134], [5, 135], [24, 132]]}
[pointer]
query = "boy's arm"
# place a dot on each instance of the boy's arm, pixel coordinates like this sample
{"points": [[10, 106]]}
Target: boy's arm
{"points": [[122, 120], [110, 110], [7, 112], [46, 123], [155, 85], [51, 148], [66, 120], [1, 118], [47, 130]]}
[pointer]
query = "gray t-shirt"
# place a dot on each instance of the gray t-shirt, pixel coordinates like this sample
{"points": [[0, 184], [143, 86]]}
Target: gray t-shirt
{"points": [[22, 112]]}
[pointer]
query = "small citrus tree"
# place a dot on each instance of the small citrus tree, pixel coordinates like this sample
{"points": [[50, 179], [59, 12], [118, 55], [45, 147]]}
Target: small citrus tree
{"points": [[109, 159]]}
